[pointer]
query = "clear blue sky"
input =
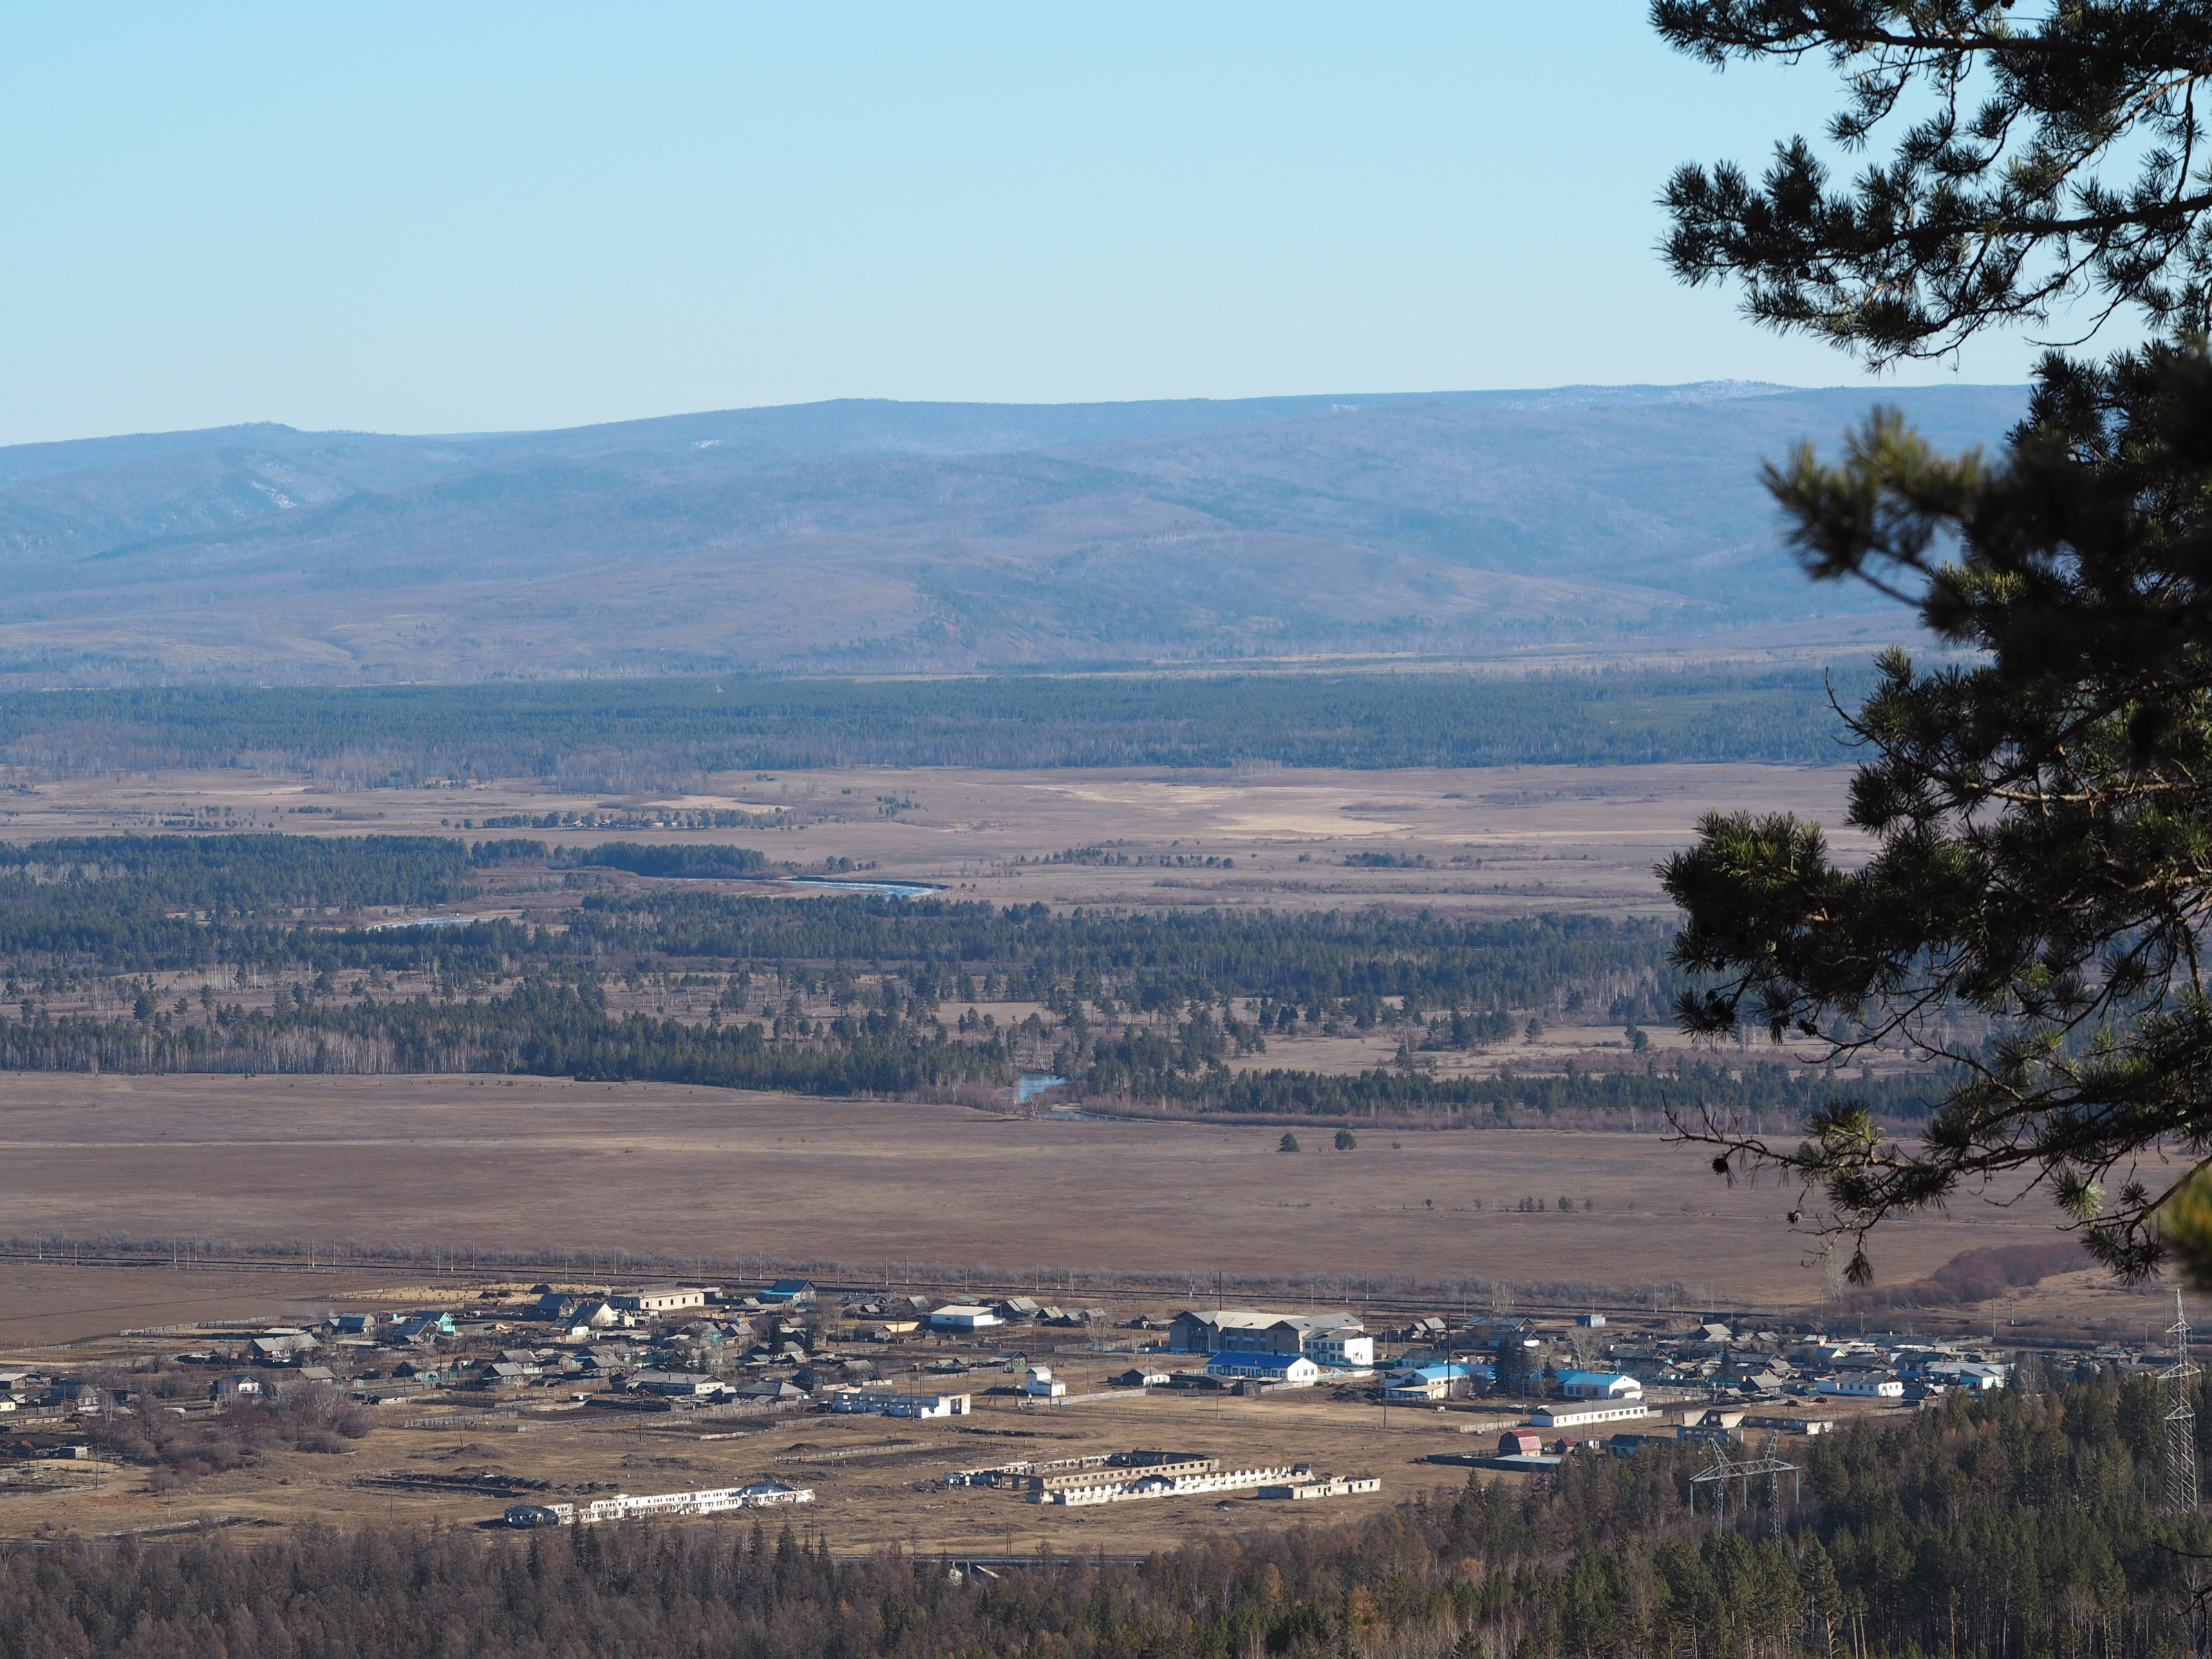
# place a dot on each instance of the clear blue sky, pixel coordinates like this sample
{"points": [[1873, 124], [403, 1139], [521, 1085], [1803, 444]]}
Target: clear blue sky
{"points": [[464, 217]]}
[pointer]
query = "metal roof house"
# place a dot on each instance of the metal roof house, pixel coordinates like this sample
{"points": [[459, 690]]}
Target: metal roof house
{"points": [[791, 1293], [689, 1384], [963, 1317], [282, 1350], [1417, 1383], [1862, 1385], [1139, 1377], [1293, 1369], [771, 1388], [1968, 1374], [664, 1299], [1600, 1385]]}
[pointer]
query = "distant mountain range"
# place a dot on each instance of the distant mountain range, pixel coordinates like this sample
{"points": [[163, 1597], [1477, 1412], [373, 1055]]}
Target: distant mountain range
{"points": [[891, 535]]}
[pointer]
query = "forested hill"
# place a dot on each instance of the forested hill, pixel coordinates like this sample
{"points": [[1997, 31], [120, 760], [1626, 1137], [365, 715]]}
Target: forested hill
{"points": [[922, 535]]}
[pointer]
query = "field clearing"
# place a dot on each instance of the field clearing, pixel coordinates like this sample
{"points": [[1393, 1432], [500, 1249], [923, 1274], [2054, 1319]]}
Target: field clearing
{"points": [[1527, 838], [546, 1163], [861, 1503]]}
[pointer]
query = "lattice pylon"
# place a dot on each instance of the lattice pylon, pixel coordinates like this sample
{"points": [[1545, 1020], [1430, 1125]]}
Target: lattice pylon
{"points": [[2179, 1462]]}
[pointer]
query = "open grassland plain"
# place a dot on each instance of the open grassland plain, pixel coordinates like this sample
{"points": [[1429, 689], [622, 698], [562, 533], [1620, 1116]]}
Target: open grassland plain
{"points": [[877, 1483], [894, 1190], [1495, 840]]}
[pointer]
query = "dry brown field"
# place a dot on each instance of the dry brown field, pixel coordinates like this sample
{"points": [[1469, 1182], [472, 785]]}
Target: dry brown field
{"points": [[889, 1495], [728, 1178], [1530, 838], [893, 1496]]}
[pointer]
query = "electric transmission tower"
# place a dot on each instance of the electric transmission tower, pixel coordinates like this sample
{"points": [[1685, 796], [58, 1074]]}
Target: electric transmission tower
{"points": [[1725, 1471], [2181, 1454], [2179, 1462]]}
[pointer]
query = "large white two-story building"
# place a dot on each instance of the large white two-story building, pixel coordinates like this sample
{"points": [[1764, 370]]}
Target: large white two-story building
{"points": [[1332, 1339]]}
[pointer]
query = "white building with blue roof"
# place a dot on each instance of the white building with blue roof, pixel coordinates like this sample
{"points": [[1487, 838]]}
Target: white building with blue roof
{"points": [[1600, 1385], [1295, 1369], [1415, 1383]]}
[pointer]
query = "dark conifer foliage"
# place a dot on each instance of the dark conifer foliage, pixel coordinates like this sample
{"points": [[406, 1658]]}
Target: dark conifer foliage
{"points": [[638, 733], [2035, 155], [2045, 873], [2044, 816]]}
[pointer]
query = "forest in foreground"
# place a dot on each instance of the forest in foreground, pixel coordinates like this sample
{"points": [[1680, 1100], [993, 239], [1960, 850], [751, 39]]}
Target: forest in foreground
{"points": [[2022, 1526], [248, 953]]}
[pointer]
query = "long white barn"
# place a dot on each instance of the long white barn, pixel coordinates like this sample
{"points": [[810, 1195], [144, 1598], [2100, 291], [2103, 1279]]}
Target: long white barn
{"points": [[712, 1500]]}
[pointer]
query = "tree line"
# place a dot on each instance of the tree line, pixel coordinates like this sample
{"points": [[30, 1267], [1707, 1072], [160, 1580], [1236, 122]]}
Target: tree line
{"points": [[631, 733]]}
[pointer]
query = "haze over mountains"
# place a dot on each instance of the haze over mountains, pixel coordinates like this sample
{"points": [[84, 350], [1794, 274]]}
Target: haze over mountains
{"points": [[876, 535]]}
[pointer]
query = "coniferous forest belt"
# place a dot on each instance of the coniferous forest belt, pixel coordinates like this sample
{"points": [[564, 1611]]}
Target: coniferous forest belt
{"points": [[561, 1031], [2022, 1526], [609, 733], [670, 982]]}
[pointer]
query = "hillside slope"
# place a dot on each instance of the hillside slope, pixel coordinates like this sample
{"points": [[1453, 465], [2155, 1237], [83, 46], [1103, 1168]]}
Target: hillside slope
{"points": [[869, 534]]}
